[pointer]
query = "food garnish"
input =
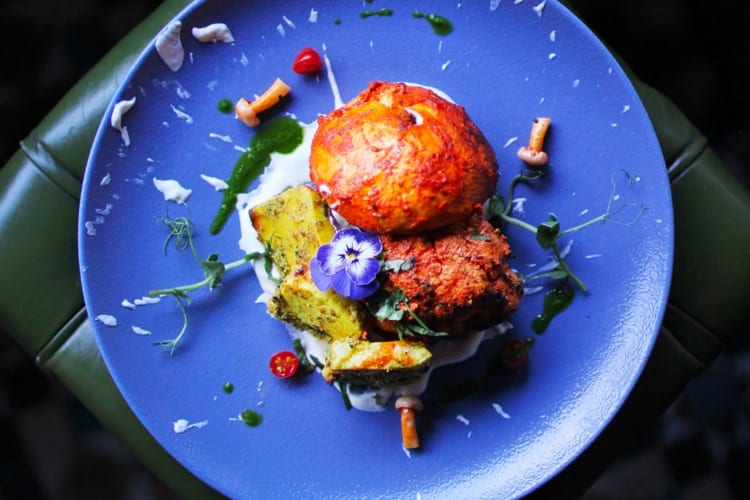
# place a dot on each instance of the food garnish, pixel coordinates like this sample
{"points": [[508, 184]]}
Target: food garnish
{"points": [[548, 233], [307, 62], [248, 111], [284, 364], [532, 154], [349, 264], [407, 406], [282, 135], [440, 25]]}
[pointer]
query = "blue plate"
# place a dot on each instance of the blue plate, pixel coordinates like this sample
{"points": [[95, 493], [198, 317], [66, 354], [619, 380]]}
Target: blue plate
{"points": [[506, 64]]}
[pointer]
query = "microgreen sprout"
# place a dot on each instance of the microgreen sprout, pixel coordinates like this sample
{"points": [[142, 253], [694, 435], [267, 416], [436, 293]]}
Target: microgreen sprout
{"points": [[549, 232], [394, 306], [181, 232]]}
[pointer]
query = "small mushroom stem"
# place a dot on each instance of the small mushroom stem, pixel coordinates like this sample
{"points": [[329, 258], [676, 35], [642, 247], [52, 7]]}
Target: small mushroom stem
{"points": [[248, 111], [533, 154], [407, 406]]}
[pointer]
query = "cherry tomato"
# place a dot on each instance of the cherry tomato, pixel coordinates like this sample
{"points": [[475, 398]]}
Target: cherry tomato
{"points": [[307, 62], [515, 352], [284, 364]]}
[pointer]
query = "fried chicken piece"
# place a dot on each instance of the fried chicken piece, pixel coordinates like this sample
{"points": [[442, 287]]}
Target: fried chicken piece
{"points": [[460, 281], [400, 159]]}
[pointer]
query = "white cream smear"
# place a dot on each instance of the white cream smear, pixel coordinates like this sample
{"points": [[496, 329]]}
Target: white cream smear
{"points": [[289, 170]]}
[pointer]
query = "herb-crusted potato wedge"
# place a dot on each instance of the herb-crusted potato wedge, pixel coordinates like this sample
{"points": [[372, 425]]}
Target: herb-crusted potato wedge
{"points": [[292, 225], [326, 314], [376, 364]]}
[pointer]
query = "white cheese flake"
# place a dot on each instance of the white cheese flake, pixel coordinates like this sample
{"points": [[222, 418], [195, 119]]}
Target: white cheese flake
{"points": [[223, 138], [510, 141], [107, 320], [181, 115], [539, 8], [494, 4], [181, 425], [313, 16], [144, 301], [462, 419], [215, 182], [139, 331], [500, 411], [169, 46], [289, 22], [127, 304], [215, 32], [105, 180], [172, 190], [115, 120]]}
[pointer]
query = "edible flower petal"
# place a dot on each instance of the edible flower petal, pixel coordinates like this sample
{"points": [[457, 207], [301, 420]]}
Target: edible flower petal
{"points": [[349, 264]]}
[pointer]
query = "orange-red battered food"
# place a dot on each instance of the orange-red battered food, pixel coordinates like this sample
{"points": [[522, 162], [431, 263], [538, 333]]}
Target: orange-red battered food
{"points": [[460, 281], [400, 159]]}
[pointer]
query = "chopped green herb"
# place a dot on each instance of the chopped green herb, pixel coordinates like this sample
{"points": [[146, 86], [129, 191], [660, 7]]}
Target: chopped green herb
{"points": [[228, 388]]}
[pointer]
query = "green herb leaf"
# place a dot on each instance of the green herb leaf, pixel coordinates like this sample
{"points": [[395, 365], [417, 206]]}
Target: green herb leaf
{"points": [[213, 270], [546, 232]]}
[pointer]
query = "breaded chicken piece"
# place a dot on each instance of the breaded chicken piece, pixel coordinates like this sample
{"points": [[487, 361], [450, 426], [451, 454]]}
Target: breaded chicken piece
{"points": [[460, 281], [400, 159]]}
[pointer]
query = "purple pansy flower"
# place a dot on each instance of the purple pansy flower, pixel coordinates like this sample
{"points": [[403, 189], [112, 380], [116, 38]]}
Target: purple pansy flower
{"points": [[350, 264]]}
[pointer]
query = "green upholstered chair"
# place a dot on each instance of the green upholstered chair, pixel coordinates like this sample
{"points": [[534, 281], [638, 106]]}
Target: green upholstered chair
{"points": [[42, 308]]}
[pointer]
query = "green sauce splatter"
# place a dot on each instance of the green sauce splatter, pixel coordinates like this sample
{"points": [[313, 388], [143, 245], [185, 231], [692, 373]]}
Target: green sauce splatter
{"points": [[440, 25], [380, 12], [228, 388], [281, 135], [225, 106], [337, 21], [251, 418], [555, 302]]}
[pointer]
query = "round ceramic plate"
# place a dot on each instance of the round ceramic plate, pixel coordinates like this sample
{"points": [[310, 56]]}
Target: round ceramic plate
{"points": [[487, 431]]}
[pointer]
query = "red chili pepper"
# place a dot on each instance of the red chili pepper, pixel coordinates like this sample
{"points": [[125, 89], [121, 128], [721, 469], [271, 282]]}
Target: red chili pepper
{"points": [[284, 364], [307, 62]]}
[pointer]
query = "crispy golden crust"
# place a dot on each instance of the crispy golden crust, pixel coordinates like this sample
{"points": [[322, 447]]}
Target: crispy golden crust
{"points": [[400, 159], [460, 281]]}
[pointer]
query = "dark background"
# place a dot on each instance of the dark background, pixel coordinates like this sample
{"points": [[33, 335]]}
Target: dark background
{"points": [[694, 51]]}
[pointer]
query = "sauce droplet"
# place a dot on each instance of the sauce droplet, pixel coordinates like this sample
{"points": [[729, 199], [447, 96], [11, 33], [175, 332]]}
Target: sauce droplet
{"points": [[555, 302], [228, 388], [440, 25], [251, 418], [225, 106], [281, 135], [380, 12]]}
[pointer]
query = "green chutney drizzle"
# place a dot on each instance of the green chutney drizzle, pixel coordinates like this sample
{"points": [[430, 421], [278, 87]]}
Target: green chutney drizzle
{"points": [[380, 12], [440, 25], [225, 105], [251, 418], [555, 302], [281, 135], [228, 388]]}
